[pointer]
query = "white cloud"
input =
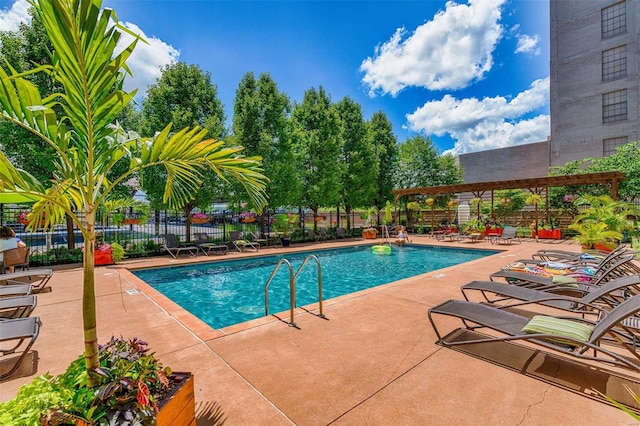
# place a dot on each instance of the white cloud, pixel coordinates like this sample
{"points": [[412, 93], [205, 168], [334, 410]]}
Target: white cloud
{"points": [[478, 125], [528, 44], [146, 60], [448, 52], [144, 63], [10, 19]]}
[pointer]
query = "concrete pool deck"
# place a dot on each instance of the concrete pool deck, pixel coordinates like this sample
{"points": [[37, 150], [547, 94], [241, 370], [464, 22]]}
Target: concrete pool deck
{"points": [[372, 361]]}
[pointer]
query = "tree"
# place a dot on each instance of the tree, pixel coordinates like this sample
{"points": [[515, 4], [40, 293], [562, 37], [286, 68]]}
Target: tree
{"points": [[85, 64], [626, 160], [420, 165], [260, 124], [380, 133], [22, 49], [358, 157], [184, 95], [317, 147]]}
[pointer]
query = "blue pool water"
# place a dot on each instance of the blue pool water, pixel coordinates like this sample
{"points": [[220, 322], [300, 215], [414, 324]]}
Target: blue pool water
{"points": [[230, 292]]}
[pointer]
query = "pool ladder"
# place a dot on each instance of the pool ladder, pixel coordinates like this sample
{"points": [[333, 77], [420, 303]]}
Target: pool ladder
{"points": [[292, 286]]}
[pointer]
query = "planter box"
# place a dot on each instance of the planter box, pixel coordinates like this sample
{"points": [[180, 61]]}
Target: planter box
{"points": [[199, 220], [556, 234], [102, 258], [493, 231], [180, 408], [369, 235]]}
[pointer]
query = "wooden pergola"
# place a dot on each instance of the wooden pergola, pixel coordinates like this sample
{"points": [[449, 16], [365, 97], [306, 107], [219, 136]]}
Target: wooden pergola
{"points": [[535, 185]]}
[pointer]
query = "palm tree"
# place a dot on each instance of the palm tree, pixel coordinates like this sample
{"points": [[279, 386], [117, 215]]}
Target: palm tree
{"points": [[88, 144]]}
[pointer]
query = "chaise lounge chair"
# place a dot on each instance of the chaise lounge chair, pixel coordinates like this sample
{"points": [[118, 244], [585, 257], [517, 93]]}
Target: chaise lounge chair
{"points": [[574, 336], [608, 294], [14, 290], [17, 330], [621, 267], [170, 244], [17, 307], [38, 278], [206, 246], [244, 245]]}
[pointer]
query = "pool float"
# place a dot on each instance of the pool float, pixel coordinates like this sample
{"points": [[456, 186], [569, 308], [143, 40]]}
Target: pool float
{"points": [[379, 249]]}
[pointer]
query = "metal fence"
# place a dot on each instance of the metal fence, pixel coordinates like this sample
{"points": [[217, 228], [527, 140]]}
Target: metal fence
{"points": [[142, 239]]}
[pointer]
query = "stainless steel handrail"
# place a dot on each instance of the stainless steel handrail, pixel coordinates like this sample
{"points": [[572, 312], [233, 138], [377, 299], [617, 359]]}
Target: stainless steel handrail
{"points": [[295, 277], [292, 290]]}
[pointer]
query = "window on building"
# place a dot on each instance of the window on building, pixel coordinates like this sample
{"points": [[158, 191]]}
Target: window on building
{"points": [[609, 145], [614, 63], [614, 20], [614, 106]]}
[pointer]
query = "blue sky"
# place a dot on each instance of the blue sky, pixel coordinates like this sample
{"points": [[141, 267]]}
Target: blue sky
{"points": [[473, 75]]}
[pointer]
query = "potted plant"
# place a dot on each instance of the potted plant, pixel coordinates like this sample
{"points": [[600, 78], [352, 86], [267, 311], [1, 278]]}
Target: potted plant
{"points": [[103, 255], [199, 218], [140, 214], [285, 223], [370, 233], [247, 217], [133, 387], [595, 235]]}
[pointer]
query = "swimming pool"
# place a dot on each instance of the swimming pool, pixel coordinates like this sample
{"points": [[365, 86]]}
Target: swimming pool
{"points": [[230, 292]]}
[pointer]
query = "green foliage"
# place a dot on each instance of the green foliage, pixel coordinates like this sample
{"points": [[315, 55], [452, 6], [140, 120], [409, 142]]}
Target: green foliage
{"points": [[285, 223], [260, 124], [617, 215], [507, 202], [592, 233], [602, 220], [33, 400], [626, 160], [117, 252], [360, 170], [317, 144], [380, 133]]}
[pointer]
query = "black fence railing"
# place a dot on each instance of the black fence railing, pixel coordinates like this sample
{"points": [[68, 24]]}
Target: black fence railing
{"points": [[143, 239]]}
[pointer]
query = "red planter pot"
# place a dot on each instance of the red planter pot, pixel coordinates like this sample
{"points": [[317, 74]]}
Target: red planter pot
{"points": [[369, 235], [102, 258], [555, 234]]}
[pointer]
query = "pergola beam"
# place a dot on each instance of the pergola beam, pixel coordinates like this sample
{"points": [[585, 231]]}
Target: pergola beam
{"points": [[605, 178]]}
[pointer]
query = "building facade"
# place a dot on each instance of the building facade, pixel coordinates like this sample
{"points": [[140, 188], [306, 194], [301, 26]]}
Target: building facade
{"points": [[595, 79], [595, 91]]}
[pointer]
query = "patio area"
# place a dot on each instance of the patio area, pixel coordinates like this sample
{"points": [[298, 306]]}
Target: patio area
{"points": [[372, 361]]}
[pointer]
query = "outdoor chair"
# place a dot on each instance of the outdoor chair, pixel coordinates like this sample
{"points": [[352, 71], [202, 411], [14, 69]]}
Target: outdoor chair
{"points": [[621, 267], [16, 258], [599, 340], [170, 244], [15, 332], [244, 245], [260, 238], [341, 233], [206, 246], [580, 257], [507, 237], [13, 290], [38, 278], [609, 294], [473, 237], [17, 307]]}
